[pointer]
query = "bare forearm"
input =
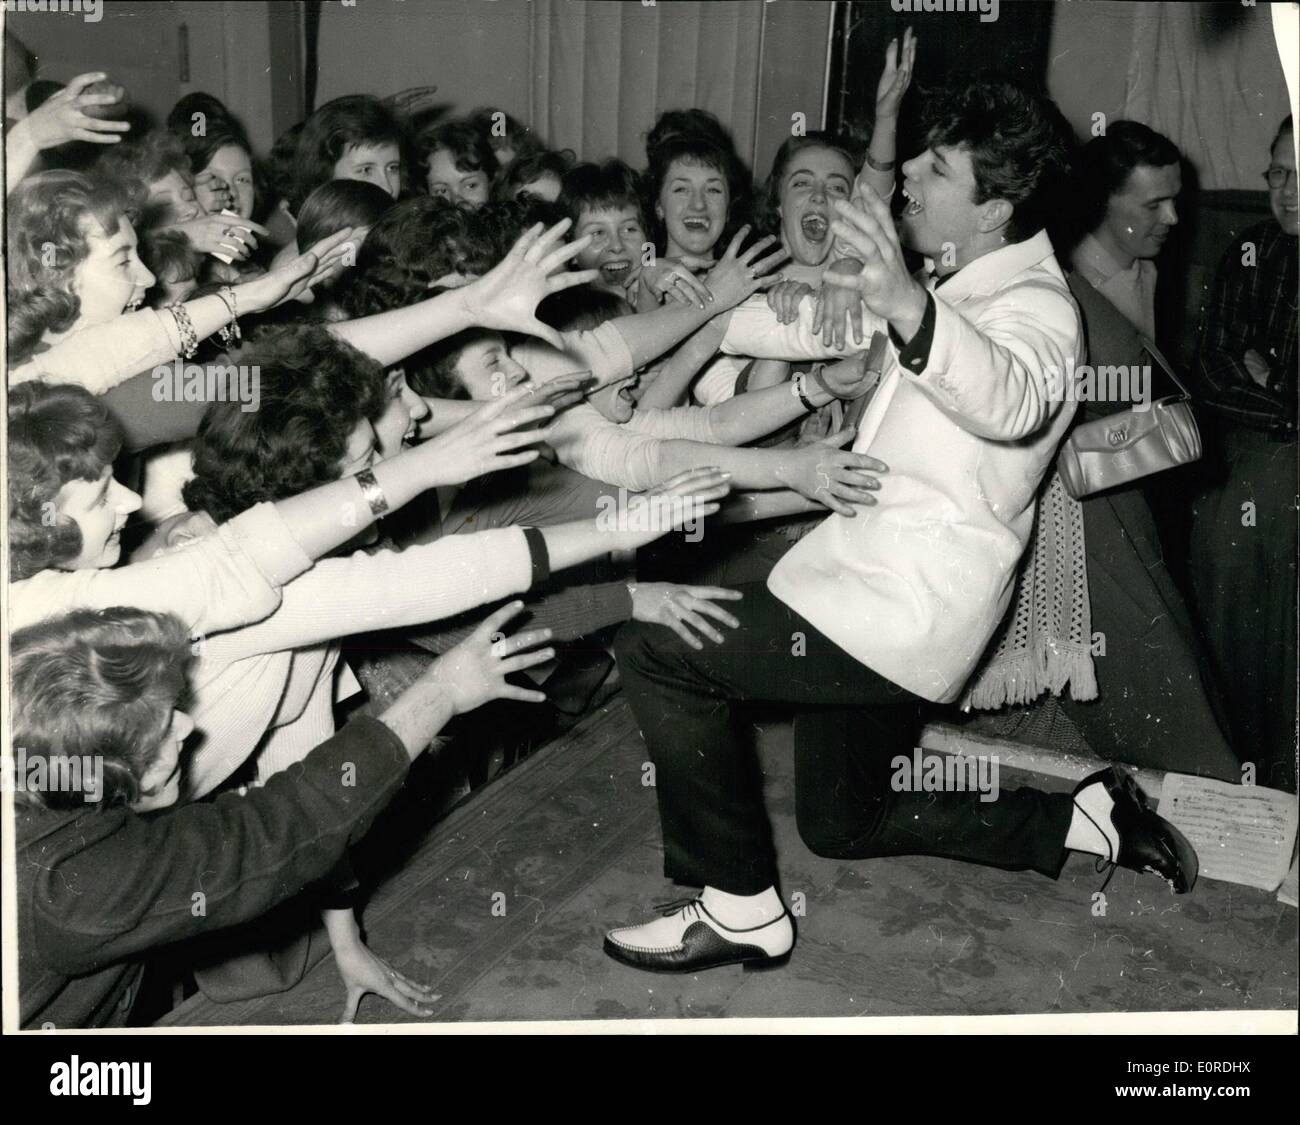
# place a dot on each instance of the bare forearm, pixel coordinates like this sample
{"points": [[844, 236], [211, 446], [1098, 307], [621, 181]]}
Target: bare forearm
{"points": [[648, 335], [755, 414], [390, 337], [20, 154], [579, 541], [747, 507], [418, 714], [884, 145], [749, 468], [326, 517], [669, 387]]}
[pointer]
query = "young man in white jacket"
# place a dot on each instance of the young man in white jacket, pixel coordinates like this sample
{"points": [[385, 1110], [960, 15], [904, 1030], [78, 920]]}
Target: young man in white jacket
{"points": [[873, 612]]}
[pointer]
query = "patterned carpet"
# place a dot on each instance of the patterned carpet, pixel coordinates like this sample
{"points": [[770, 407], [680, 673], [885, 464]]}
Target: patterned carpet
{"points": [[568, 841]]}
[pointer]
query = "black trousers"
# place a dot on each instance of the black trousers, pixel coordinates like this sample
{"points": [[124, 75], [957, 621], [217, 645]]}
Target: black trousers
{"points": [[850, 724]]}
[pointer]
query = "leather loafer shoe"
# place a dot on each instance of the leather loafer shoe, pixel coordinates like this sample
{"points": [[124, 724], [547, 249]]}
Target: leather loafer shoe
{"points": [[1147, 842], [688, 938]]}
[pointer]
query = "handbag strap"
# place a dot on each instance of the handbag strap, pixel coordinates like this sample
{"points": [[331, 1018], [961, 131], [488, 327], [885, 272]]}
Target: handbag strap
{"points": [[1165, 366]]}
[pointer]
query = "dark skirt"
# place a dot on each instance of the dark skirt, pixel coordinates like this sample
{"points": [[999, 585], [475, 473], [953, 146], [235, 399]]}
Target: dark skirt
{"points": [[1158, 703], [1243, 572]]}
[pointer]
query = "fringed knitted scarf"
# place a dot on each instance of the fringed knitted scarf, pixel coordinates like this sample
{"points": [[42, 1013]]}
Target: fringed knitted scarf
{"points": [[1046, 641]]}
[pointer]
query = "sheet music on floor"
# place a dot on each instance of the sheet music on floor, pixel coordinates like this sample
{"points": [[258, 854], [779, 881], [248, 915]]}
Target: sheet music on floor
{"points": [[1242, 833]]}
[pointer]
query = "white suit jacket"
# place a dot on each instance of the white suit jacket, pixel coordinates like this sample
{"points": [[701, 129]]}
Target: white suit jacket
{"points": [[915, 586]]}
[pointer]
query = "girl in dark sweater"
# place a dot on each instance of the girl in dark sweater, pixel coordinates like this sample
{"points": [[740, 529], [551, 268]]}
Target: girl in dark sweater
{"points": [[107, 870]]}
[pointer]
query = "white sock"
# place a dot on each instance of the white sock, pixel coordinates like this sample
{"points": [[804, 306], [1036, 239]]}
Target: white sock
{"points": [[1091, 829], [743, 912]]}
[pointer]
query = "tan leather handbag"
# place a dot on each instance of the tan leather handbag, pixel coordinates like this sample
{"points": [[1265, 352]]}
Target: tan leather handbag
{"points": [[1132, 444]]}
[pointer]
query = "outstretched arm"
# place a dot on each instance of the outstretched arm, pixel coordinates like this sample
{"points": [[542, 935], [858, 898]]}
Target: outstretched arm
{"points": [[505, 298]]}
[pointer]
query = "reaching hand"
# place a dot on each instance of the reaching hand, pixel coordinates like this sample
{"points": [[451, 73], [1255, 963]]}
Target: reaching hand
{"points": [[487, 440], [784, 297], [896, 76], [672, 279], [849, 377], [362, 972], [64, 116], [679, 502], [506, 297], [475, 671], [834, 305], [412, 100], [221, 234], [667, 603], [884, 283], [293, 279], [833, 476], [737, 275]]}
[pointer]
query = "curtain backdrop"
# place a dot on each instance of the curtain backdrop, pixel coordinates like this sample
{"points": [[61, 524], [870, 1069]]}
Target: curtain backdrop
{"points": [[1209, 78], [603, 69]]}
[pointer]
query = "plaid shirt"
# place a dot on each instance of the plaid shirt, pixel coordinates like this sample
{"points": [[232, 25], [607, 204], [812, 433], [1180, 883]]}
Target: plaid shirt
{"points": [[1253, 306]]}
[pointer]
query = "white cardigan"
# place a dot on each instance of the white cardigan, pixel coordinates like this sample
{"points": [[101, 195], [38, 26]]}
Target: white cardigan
{"points": [[915, 586]]}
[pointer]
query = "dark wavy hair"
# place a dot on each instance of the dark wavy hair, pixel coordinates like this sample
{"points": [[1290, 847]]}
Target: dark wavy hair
{"points": [[340, 204], [767, 198], [611, 185], [1021, 148], [414, 243], [581, 308], [674, 123], [216, 119], [693, 148], [98, 683], [147, 159], [521, 139], [469, 147], [170, 257], [1106, 162], [200, 150], [57, 434], [500, 223], [327, 134], [49, 217], [525, 169], [432, 370], [314, 390]]}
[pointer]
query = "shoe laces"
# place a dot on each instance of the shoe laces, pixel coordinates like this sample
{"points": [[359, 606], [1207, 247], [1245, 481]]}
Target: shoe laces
{"points": [[667, 909]]}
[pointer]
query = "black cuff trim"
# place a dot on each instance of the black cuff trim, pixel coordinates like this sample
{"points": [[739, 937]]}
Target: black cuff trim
{"points": [[541, 558]]}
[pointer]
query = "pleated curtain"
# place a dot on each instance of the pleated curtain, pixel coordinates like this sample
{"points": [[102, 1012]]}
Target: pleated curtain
{"points": [[603, 70], [1209, 77]]}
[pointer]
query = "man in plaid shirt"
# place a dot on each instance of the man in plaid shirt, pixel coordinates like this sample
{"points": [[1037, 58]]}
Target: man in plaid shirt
{"points": [[1243, 548], [1247, 357]]}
